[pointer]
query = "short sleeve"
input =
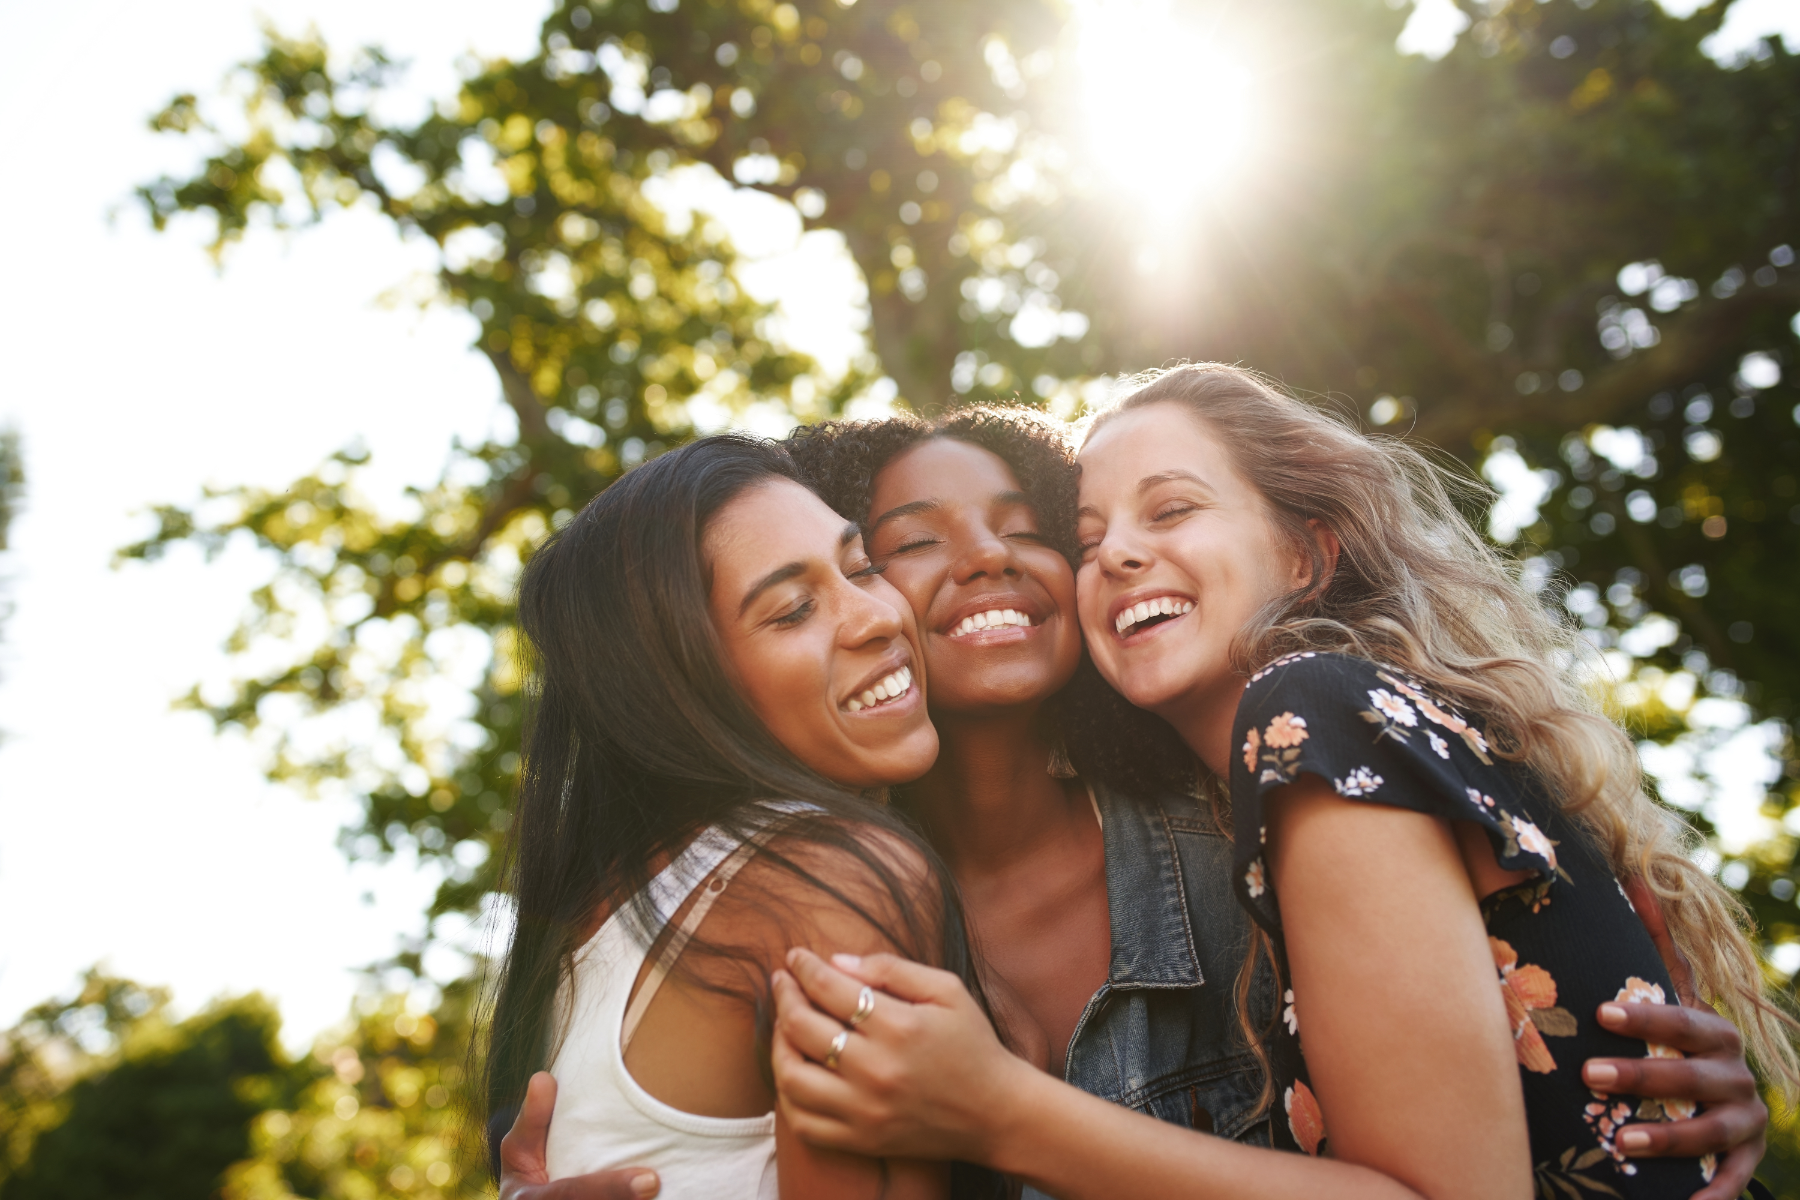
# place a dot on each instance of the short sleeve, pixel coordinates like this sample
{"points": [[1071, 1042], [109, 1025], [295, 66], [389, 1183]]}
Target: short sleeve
{"points": [[1374, 735]]}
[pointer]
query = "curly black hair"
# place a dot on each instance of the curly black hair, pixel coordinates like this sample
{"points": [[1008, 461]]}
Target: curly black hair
{"points": [[1107, 737]]}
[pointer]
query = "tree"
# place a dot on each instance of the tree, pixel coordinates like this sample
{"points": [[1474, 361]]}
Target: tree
{"points": [[1567, 244], [105, 1096]]}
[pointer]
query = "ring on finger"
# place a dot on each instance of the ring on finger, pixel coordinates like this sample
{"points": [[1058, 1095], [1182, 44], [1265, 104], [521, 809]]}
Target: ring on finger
{"points": [[865, 1007], [837, 1047]]}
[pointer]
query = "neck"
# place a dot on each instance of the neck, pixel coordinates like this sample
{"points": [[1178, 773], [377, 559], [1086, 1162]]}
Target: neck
{"points": [[989, 800], [1204, 723]]}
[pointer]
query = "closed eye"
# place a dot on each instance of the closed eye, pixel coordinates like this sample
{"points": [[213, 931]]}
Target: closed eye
{"points": [[917, 544], [867, 572], [798, 614], [1171, 511]]}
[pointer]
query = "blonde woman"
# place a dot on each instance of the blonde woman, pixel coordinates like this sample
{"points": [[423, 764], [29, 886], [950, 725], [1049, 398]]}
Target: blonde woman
{"points": [[1433, 828]]}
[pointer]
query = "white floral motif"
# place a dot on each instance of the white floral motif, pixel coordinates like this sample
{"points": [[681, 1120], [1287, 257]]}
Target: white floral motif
{"points": [[1253, 878], [1438, 744], [1533, 841], [1280, 662], [1362, 781], [1288, 1014], [1476, 797], [1393, 707]]}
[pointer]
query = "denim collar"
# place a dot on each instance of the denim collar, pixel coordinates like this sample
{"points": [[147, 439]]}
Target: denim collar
{"points": [[1152, 937]]}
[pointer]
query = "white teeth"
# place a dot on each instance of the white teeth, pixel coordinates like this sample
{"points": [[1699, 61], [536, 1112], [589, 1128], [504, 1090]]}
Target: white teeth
{"points": [[993, 618], [1167, 606], [890, 687]]}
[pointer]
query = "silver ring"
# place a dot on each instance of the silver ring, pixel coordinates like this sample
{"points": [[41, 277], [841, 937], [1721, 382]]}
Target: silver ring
{"points": [[865, 1007], [837, 1047]]}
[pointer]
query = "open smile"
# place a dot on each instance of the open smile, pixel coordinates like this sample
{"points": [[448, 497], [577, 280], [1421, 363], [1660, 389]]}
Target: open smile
{"points": [[983, 619], [887, 690], [1144, 615]]}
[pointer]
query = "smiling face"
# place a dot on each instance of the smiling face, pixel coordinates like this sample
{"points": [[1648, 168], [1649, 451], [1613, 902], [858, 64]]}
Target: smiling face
{"points": [[996, 603], [1178, 553], [817, 643]]}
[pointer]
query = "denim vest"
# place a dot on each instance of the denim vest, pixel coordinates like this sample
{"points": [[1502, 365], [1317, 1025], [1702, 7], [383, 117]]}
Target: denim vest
{"points": [[1161, 1035]]}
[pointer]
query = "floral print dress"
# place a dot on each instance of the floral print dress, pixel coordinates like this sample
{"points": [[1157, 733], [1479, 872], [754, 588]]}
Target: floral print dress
{"points": [[1564, 942]]}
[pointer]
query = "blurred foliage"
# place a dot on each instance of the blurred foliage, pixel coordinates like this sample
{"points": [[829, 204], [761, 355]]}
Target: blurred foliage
{"points": [[103, 1095], [1564, 253]]}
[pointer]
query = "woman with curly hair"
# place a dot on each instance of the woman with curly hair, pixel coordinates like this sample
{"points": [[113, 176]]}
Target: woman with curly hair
{"points": [[1423, 786]]}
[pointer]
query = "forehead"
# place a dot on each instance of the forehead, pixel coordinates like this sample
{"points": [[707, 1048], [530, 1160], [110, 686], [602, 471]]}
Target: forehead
{"points": [[769, 525], [1153, 440], [942, 469]]}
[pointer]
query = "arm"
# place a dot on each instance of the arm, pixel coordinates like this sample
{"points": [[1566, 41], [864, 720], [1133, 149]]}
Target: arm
{"points": [[697, 1045], [1401, 1008], [523, 1175], [926, 1076]]}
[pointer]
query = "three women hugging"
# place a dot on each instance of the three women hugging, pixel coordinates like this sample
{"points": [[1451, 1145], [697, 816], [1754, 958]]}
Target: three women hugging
{"points": [[914, 810]]}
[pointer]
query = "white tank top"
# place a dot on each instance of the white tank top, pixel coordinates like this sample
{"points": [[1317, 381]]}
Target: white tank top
{"points": [[603, 1119]]}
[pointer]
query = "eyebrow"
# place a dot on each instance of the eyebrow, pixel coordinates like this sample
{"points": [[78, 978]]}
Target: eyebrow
{"points": [[922, 506], [1150, 482], [849, 533]]}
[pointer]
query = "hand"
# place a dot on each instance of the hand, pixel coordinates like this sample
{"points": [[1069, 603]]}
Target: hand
{"points": [[1714, 1074], [923, 1077], [524, 1175]]}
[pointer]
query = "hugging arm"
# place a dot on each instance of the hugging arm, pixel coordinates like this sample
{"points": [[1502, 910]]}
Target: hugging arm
{"points": [[523, 1171], [1407, 1040], [1733, 1117]]}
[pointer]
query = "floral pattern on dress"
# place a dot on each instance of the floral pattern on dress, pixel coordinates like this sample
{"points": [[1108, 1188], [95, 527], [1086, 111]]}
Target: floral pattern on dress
{"points": [[1360, 782], [1530, 995], [1379, 737], [1305, 1121], [1281, 741]]}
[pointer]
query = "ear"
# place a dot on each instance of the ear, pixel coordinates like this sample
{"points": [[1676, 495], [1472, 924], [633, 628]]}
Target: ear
{"points": [[1325, 540]]}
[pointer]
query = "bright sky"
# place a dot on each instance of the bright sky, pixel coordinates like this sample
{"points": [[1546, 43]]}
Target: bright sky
{"points": [[129, 833]]}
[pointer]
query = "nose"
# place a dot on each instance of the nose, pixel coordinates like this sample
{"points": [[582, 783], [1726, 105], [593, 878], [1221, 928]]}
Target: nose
{"points": [[867, 617], [1122, 554], [981, 553]]}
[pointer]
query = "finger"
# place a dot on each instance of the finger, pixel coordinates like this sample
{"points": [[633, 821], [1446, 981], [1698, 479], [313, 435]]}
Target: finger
{"points": [[803, 1084], [1690, 1030], [807, 1029], [902, 978], [1734, 1173], [1707, 1080], [830, 989], [1709, 1133], [522, 1149]]}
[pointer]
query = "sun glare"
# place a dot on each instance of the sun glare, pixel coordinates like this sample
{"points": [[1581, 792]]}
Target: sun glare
{"points": [[1170, 108]]}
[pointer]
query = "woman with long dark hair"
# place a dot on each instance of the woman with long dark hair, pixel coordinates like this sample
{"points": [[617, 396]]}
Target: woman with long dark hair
{"points": [[720, 683]]}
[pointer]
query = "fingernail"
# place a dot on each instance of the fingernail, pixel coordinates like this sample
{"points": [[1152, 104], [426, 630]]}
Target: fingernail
{"points": [[1611, 1014], [848, 962], [1634, 1139], [646, 1184], [793, 956], [1600, 1075]]}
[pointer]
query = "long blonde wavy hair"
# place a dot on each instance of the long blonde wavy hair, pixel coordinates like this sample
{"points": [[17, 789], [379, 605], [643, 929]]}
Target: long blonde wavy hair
{"points": [[1417, 587]]}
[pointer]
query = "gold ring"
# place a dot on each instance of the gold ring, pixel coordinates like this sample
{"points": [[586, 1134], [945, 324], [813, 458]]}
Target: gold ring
{"points": [[865, 1007], [837, 1047]]}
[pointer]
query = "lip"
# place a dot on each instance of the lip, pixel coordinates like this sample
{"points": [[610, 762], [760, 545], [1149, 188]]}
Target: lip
{"points": [[891, 662], [1132, 600], [988, 602]]}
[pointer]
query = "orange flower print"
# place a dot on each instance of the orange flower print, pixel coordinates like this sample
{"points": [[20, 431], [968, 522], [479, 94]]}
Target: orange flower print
{"points": [[1533, 841], [1285, 730], [1252, 743], [1530, 995], [1305, 1121], [1253, 878]]}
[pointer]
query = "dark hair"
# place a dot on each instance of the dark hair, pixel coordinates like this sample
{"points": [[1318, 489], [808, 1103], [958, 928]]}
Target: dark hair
{"points": [[636, 741], [1107, 738]]}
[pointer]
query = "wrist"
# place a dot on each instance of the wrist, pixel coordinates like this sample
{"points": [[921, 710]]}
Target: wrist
{"points": [[1010, 1122]]}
